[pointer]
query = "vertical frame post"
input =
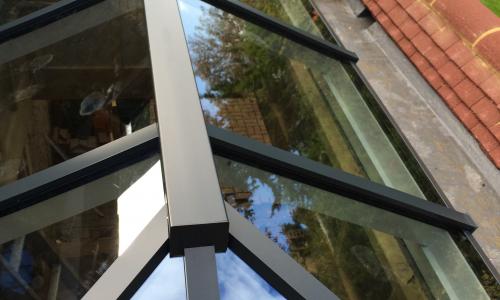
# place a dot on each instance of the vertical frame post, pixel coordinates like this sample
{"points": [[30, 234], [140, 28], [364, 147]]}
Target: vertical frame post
{"points": [[201, 273], [197, 216]]}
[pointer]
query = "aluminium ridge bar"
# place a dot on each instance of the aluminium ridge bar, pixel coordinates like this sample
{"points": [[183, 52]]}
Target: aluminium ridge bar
{"points": [[43, 17], [78, 170], [197, 216], [272, 24], [245, 150]]}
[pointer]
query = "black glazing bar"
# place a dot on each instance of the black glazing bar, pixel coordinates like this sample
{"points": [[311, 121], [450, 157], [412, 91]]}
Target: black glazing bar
{"points": [[43, 17], [258, 18], [245, 150], [79, 170]]}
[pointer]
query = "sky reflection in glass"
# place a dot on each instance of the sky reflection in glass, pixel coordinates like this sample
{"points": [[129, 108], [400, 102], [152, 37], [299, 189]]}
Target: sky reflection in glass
{"points": [[166, 281], [238, 281]]}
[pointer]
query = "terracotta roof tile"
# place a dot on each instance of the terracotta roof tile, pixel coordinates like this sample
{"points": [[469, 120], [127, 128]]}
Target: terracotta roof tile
{"points": [[465, 115], [449, 96], [398, 15], [390, 27], [431, 23], [451, 73], [459, 53], [433, 78], [471, 18], [489, 48], [437, 57], [477, 70], [387, 5], [468, 85], [407, 47], [491, 87], [468, 92], [420, 62], [495, 130], [384, 20], [422, 42], [373, 7], [445, 37], [417, 10], [487, 112], [410, 28], [487, 141], [405, 3]]}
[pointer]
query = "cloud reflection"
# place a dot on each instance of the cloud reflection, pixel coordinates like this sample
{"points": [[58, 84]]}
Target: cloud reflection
{"points": [[238, 281], [166, 282]]}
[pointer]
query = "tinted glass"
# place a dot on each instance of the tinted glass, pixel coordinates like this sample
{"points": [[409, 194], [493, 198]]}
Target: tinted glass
{"points": [[59, 248], [11, 10], [265, 87], [238, 281], [72, 86], [356, 250], [166, 282], [298, 13]]}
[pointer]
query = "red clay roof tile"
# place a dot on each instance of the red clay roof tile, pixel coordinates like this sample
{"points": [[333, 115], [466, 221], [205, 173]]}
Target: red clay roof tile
{"points": [[470, 18], [491, 87], [417, 10], [398, 15], [465, 83], [387, 5], [445, 37], [431, 23], [373, 7], [405, 3], [420, 62], [384, 20], [437, 57], [465, 115], [477, 70], [468, 92], [407, 47], [395, 33], [490, 49], [433, 78], [423, 42], [487, 112], [459, 53], [495, 130], [449, 96], [410, 28], [451, 73], [487, 141]]}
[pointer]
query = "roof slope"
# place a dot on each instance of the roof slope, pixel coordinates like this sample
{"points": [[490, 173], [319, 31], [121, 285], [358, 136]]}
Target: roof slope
{"points": [[458, 54]]}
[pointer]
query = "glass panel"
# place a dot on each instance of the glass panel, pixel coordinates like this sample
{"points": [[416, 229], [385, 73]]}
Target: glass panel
{"points": [[260, 85], [356, 250], [299, 13], [11, 10], [72, 86], [166, 282], [238, 281], [60, 247]]}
